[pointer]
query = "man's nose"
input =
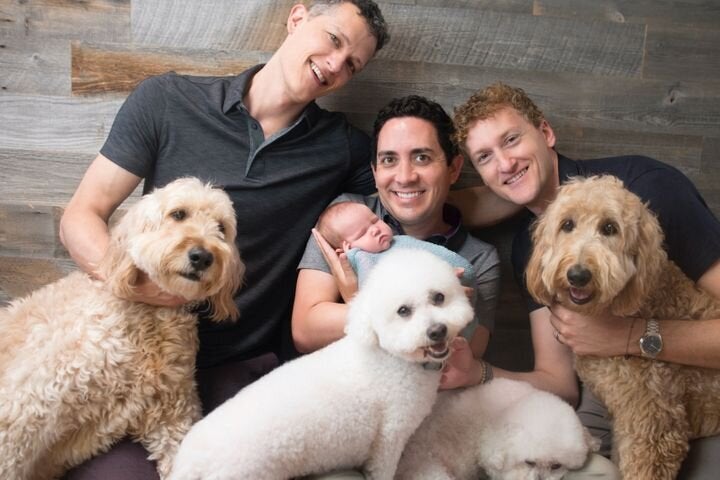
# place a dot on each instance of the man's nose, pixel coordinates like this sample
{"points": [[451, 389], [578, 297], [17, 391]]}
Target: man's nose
{"points": [[336, 60], [506, 162], [406, 172]]}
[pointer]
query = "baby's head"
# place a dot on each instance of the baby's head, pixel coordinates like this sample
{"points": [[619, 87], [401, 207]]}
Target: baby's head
{"points": [[347, 225]]}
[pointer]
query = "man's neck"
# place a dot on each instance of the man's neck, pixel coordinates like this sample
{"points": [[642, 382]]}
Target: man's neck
{"points": [[549, 192], [268, 103], [422, 232]]}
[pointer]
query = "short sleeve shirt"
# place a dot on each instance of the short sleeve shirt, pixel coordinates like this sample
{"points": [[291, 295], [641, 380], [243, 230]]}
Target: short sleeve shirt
{"points": [[175, 125]]}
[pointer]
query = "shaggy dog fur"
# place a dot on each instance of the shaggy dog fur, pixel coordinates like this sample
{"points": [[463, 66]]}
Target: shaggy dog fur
{"points": [[80, 367], [507, 429], [351, 404], [597, 248]]}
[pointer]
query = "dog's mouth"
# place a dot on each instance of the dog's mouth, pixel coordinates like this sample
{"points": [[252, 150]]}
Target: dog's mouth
{"points": [[437, 351], [579, 296], [191, 275]]}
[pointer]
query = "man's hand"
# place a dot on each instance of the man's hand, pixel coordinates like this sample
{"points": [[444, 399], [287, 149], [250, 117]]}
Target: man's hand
{"points": [[461, 369], [345, 278], [469, 291], [603, 335], [147, 291]]}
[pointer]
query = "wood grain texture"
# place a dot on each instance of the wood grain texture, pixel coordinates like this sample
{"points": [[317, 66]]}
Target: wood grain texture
{"points": [[30, 231], [21, 275], [55, 123], [694, 13], [115, 68], [683, 54], [94, 20], [33, 64]]}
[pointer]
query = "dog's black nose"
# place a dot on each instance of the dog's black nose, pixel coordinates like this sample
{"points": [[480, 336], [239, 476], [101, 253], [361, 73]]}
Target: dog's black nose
{"points": [[578, 276], [200, 259], [437, 332]]}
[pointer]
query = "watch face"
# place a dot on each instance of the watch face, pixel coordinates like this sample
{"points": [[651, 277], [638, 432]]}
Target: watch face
{"points": [[651, 344]]}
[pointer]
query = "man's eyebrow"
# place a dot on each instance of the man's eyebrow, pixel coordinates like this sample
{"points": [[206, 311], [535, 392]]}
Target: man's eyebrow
{"points": [[422, 150], [387, 152]]}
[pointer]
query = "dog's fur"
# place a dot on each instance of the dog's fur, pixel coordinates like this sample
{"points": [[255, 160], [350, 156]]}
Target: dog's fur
{"points": [[506, 428], [597, 226], [80, 367], [352, 404]]}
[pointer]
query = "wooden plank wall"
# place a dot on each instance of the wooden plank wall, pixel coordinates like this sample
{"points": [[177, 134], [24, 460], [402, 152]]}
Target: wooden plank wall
{"points": [[613, 76]]}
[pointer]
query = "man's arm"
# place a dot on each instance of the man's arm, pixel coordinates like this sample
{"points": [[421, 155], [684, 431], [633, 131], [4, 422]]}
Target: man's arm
{"points": [[84, 224], [689, 342], [318, 317], [480, 207], [554, 371]]}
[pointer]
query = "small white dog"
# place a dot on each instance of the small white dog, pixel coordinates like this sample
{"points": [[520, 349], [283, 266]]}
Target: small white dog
{"points": [[80, 367], [352, 404], [507, 429]]}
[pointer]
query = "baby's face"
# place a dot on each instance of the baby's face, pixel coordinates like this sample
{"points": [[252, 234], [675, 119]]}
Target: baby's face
{"points": [[364, 230]]}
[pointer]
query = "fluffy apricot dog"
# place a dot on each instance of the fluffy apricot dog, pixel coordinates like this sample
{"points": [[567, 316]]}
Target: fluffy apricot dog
{"points": [[598, 249], [80, 367]]}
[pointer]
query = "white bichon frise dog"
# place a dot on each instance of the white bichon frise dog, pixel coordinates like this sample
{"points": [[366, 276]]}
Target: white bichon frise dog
{"points": [[352, 404], [81, 367], [506, 429]]}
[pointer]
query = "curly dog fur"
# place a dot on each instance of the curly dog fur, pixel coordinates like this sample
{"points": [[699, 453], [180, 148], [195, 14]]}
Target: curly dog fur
{"points": [[351, 404], [597, 227], [80, 367], [506, 429]]}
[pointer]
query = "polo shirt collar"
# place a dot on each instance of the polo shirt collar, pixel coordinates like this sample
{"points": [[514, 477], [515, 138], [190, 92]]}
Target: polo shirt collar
{"points": [[239, 85], [453, 239]]}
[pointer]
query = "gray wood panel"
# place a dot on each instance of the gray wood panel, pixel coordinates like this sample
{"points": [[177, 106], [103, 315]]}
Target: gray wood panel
{"points": [[21, 275], [682, 54], [56, 123], [695, 13]]}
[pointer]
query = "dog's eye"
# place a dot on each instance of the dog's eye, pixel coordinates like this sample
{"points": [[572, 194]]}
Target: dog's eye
{"points": [[437, 298], [609, 228], [567, 226], [404, 311], [178, 214], [221, 227], [555, 466], [530, 463]]}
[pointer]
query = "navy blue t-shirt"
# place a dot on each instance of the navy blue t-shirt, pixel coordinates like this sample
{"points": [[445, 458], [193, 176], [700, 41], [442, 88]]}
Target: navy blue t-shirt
{"points": [[692, 233], [173, 126]]}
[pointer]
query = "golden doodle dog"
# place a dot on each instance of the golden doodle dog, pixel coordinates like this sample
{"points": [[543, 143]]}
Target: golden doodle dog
{"points": [[598, 249], [81, 367]]}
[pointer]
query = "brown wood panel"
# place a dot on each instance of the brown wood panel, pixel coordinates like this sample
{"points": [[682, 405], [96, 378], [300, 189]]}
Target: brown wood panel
{"points": [[54, 123], [511, 6], [630, 104], [683, 54], [32, 64], [21, 275], [119, 68], [30, 231], [698, 13], [95, 20]]}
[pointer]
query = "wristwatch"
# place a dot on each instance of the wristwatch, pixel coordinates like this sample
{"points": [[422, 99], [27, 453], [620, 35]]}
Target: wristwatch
{"points": [[651, 343]]}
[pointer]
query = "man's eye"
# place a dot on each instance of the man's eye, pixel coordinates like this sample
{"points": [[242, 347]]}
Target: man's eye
{"points": [[387, 161], [511, 139], [482, 159], [334, 39], [351, 67], [422, 158]]}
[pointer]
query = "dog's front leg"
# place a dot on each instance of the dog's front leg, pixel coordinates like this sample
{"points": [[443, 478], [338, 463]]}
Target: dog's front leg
{"points": [[162, 432]]}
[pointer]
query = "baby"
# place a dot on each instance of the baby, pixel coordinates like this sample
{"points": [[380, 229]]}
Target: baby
{"points": [[354, 229]]}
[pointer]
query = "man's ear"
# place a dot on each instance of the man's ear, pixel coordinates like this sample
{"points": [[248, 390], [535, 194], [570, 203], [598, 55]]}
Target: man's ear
{"points": [[298, 14], [345, 247], [548, 133], [456, 168]]}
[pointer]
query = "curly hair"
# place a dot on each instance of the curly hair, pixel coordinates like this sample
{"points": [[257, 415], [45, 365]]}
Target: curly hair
{"points": [[485, 103], [369, 10], [419, 107]]}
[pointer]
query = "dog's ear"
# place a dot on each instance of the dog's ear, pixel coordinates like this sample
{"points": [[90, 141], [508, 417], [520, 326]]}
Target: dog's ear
{"points": [[359, 319], [649, 257], [223, 302], [533, 272], [117, 266]]}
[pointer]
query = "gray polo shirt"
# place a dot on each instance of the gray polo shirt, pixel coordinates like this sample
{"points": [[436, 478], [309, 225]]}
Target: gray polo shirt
{"points": [[174, 125], [483, 256]]}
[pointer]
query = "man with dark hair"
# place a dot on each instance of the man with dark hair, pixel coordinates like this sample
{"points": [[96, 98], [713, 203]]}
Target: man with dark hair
{"points": [[279, 156], [414, 166]]}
